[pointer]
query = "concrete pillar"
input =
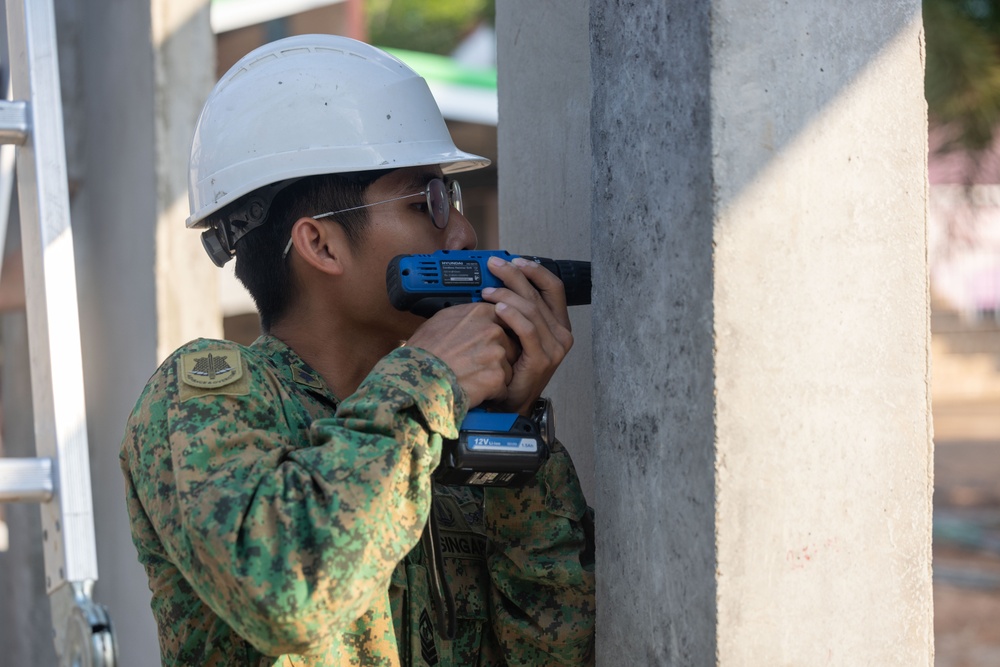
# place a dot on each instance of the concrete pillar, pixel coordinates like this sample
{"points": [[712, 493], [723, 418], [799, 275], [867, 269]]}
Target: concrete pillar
{"points": [[761, 336], [184, 72], [543, 73], [134, 77], [146, 287]]}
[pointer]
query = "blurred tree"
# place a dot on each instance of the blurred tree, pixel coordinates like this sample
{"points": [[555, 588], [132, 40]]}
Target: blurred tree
{"points": [[962, 81], [431, 26]]}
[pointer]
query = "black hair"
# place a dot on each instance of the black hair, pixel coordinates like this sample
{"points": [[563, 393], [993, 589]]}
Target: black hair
{"points": [[259, 262]]}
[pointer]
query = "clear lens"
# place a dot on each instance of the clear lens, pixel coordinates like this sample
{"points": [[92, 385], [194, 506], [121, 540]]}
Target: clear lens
{"points": [[455, 196], [437, 202], [440, 199]]}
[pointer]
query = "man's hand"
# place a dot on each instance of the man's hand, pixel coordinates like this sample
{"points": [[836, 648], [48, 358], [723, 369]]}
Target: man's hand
{"points": [[471, 339], [532, 305], [505, 350]]}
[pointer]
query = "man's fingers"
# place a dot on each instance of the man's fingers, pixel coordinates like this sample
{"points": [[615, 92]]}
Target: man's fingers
{"points": [[541, 347], [547, 295], [472, 340]]}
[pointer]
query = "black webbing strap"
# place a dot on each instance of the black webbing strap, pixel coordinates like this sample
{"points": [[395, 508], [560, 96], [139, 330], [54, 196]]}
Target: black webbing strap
{"points": [[444, 603]]}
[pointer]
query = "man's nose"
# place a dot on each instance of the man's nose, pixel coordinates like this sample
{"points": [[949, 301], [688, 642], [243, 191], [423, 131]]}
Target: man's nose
{"points": [[461, 235]]}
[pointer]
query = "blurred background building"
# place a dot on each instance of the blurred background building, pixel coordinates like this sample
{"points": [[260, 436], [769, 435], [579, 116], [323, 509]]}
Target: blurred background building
{"points": [[963, 91]]}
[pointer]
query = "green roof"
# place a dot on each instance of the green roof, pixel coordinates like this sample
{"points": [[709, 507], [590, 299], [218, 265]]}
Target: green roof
{"points": [[442, 69]]}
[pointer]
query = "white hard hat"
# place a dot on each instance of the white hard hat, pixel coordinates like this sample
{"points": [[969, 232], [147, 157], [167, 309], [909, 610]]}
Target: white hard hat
{"points": [[313, 104]]}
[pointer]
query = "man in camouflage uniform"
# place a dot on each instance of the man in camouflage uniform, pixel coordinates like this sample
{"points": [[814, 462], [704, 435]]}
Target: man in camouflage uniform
{"points": [[278, 492]]}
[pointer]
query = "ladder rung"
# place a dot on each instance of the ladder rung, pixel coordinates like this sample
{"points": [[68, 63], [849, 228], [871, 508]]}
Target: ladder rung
{"points": [[26, 480], [13, 122]]}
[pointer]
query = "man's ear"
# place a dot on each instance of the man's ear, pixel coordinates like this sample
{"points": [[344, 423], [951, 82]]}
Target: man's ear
{"points": [[320, 244]]}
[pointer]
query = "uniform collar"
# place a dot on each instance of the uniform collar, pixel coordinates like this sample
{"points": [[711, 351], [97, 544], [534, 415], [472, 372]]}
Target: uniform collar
{"points": [[291, 366]]}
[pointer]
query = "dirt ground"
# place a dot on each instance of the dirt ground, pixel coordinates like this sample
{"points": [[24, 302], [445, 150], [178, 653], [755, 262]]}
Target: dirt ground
{"points": [[967, 536]]}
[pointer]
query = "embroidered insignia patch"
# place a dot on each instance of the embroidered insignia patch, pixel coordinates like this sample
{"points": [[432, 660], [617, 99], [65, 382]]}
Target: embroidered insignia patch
{"points": [[211, 369], [428, 650], [305, 378], [459, 538]]}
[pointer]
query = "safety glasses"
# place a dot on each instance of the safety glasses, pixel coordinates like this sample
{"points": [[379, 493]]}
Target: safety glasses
{"points": [[440, 196]]}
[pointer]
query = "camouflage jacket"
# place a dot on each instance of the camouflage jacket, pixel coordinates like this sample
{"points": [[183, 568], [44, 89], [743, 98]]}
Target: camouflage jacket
{"points": [[278, 527]]}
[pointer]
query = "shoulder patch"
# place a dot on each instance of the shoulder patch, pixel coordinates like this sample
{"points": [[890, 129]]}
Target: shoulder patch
{"points": [[211, 369]]}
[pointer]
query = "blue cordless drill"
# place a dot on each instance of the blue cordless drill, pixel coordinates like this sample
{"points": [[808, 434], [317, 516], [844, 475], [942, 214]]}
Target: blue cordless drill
{"points": [[493, 448]]}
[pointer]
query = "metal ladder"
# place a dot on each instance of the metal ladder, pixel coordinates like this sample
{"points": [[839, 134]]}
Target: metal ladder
{"points": [[59, 479]]}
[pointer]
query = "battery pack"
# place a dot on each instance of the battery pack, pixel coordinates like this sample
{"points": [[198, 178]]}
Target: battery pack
{"points": [[493, 449]]}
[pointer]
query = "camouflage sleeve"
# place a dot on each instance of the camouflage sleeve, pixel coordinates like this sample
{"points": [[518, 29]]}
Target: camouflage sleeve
{"points": [[541, 563], [290, 541]]}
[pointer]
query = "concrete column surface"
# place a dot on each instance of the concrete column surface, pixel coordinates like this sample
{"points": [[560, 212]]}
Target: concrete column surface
{"points": [[761, 336], [146, 288], [543, 134], [184, 66]]}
